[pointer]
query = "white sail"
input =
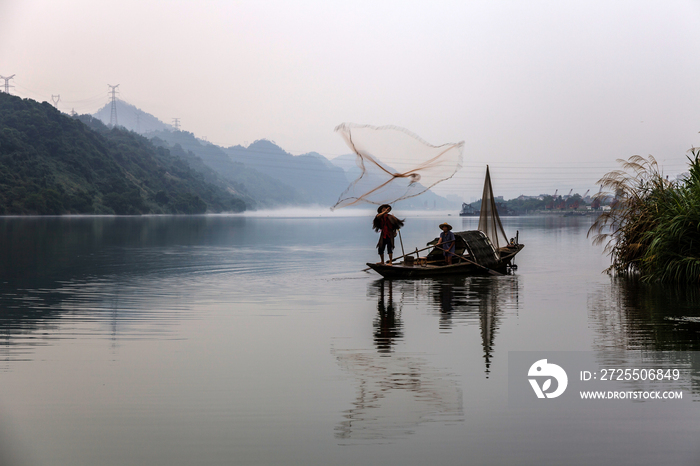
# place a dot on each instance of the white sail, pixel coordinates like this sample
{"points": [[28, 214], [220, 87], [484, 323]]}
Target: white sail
{"points": [[489, 221]]}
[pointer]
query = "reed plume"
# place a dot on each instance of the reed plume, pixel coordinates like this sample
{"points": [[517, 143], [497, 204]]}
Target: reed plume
{"points": [[652, 230]]}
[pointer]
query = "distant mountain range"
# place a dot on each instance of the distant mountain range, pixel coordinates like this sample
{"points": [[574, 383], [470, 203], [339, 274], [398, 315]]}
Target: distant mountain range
{"points": [[265, 174], [52, 163], [260, 189], [312, 176]]}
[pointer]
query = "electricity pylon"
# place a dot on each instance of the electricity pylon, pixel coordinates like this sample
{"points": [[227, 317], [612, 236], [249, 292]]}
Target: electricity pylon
{"points": [[113, 116], [7, 83]]}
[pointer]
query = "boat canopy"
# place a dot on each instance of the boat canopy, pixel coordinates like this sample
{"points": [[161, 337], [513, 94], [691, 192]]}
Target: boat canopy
{"points": [[473, 243], [480, 248]]}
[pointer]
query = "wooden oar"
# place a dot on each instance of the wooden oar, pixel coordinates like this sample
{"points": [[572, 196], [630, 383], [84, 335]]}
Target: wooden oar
{"points": [[401, 257], [490, 271]]}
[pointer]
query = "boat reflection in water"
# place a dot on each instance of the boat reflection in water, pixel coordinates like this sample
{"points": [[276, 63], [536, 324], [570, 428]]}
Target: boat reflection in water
{"points": [[396, 391], [483, 301]]}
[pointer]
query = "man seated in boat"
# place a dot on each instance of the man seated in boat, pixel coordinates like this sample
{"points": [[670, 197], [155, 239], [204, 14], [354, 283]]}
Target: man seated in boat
{"points": [[447, 242], [387, 225]]}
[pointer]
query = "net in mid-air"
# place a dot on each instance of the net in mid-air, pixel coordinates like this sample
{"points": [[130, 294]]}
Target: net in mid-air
{"points": [[394, 164]]}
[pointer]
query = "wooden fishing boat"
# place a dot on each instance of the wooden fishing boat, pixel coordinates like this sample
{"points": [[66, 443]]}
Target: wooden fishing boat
{"points": [[475, 255], [477, 252]]}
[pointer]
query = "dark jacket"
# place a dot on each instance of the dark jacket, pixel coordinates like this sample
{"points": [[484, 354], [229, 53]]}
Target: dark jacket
{"points": [[394, 225]]}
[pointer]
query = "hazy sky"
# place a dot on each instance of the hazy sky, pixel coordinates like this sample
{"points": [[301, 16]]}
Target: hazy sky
{"points": [[549, 93]]}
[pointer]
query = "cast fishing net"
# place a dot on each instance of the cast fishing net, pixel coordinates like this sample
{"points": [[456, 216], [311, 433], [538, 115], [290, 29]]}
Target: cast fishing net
{"points": [[394, 164]]}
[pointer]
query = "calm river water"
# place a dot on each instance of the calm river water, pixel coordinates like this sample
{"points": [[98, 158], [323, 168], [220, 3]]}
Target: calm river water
{"points": [[250, 340]]}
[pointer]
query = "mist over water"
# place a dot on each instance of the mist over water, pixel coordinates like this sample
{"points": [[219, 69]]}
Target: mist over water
{"points": [[256, 339]]}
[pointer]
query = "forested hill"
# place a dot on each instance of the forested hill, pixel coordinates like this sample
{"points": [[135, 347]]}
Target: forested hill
{"points": [[51, 163]]}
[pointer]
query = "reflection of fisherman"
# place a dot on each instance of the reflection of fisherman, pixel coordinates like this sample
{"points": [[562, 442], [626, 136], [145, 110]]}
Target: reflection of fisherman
{"points": [[387, 328], [447, 239], [387, 224]]}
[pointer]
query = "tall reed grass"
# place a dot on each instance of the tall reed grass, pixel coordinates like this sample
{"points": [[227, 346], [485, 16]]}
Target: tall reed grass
{"points": [[652, 230]]}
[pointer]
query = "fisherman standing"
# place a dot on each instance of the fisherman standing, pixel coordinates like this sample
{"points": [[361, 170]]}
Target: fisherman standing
{"points": [[387, 225]]}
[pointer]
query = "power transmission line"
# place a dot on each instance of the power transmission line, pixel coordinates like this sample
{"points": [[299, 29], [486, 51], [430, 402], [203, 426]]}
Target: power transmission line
{"points": [[7, 83], [113, 115]]}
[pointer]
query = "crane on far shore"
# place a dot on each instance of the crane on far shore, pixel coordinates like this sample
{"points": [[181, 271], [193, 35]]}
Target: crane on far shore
{"points": [[595, 205], [577, 202], [550, 206]]}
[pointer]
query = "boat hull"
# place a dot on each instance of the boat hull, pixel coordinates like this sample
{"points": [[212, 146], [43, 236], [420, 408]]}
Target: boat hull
{"points": [[416, 271], [405, 271]]}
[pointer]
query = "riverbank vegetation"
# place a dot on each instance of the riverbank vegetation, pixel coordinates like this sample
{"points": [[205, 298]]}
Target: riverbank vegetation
{"points": [[652, 230]]}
